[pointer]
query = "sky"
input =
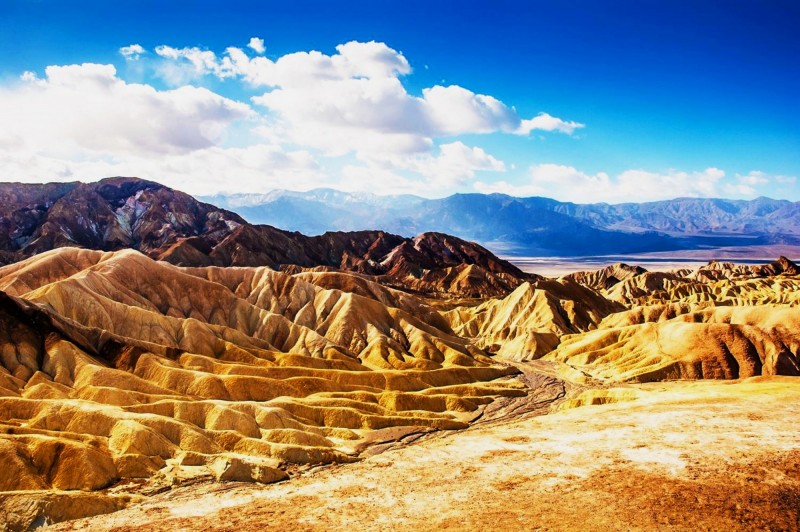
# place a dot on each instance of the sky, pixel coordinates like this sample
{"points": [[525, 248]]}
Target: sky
{"points": [[582, 101]]}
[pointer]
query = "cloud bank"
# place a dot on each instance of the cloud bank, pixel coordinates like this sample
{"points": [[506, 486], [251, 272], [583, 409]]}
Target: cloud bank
{"points": [[311, 119], [567, 183], [241, 120]]}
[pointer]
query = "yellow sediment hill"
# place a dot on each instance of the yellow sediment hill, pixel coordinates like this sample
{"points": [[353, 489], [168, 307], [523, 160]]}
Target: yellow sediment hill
{"points": [[622, 323], [116, 366], [529, 322], [720, 321], [717, 343]]}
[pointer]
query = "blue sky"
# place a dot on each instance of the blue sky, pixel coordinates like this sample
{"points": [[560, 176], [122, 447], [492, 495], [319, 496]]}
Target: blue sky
{"points": [[636, 100]]}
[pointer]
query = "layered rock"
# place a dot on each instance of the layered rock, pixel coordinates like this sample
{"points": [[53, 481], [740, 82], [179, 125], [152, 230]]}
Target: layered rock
{"points": [[605, 278], [716, 343], [116, 366], [721, 321], [530, 321]]}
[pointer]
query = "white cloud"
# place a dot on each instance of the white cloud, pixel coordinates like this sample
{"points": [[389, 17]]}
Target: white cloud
{"points": [[454, 165], [132, 52], [86, 122], [367, 116], [545, 122], [567, 183], [82, 122], [183, 65], [257, 168], [653, 185], [454, 110], [753, 178], [758, 178], [376, 179], [758, 183], [257, 45], [88, 107], [297, 70], [354, 101]]}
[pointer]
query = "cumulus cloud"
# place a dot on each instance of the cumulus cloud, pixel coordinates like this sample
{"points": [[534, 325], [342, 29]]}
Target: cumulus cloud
{"points": [[567, 183], [257, 168], [454, 110], [455, 164], [349, 109], [183, 65], [754, 178], [354, 100], [757, 178], [361, 178], [295, 70], [132, 52], [257, 45], [431, 174], [88, 107], [545, 122], [755, 182], [82, 122]]}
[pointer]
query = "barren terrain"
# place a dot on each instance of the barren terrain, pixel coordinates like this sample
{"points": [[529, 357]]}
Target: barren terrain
{"points": [[683, 456], [199, 372]]}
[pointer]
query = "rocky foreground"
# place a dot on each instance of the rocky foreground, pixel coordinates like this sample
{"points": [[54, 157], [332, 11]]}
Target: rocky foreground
{"points": [[179, 374], [706, 455]]}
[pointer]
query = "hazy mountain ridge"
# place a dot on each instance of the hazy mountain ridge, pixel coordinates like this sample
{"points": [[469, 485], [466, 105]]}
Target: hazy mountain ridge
{"points": [[128, 213], [534, 225]]}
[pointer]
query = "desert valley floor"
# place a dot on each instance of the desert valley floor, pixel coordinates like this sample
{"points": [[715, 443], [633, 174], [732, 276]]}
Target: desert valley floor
{"points": [[205, 373]]}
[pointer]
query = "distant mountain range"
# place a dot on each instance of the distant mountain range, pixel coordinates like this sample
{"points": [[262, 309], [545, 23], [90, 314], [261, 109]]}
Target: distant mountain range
{"points": [[169, 225], [533, 226]]}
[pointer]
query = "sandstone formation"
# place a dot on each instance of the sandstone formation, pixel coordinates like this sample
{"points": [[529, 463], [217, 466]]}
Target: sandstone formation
{"points": [[721, 321], [607, 277], [622, 323], [529, 322], [115, 366]]}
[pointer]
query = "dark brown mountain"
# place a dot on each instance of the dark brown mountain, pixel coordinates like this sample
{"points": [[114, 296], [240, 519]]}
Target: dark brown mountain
{"points": [[169, 225]]}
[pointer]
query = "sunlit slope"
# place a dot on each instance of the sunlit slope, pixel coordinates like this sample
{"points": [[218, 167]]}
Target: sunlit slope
{"points": [[622, 323], [718, 343], [530, 321], [115, 365], [721, 321]]}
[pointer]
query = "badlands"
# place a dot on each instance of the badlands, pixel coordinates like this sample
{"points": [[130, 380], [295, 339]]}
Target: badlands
{"points": [[190, 373]]}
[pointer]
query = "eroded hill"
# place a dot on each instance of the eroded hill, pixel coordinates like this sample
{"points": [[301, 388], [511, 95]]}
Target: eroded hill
{"points": [[115, 366], [622, 323]]}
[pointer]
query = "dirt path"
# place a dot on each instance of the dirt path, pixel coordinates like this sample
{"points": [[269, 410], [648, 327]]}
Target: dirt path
{"points": [[685, 456], [546, 391]]}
